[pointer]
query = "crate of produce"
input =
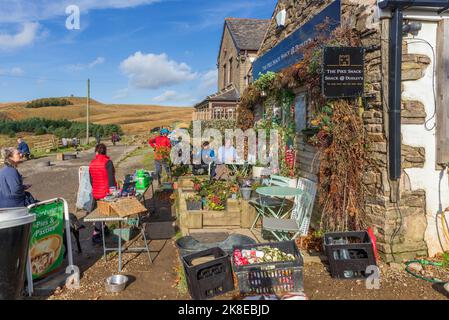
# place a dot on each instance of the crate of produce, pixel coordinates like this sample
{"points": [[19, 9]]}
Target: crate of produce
{"points": [[349, 254], [208, 273], [269, 268]]}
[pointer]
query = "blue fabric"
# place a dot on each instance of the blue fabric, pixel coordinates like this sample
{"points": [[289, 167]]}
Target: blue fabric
{"points": [[227, 155], [12, 192], [23, 148], [165, 131], [85, 199], [207, 156]]}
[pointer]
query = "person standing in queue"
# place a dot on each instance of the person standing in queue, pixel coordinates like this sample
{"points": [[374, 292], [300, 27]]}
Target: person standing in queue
{"points": [[162, 146], [102, 178], [13, 192], [24, 149]]}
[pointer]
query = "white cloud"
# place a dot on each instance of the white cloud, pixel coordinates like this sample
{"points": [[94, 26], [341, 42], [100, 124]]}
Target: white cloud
{"points": [[16, 71], [14, 11], [121, 94], [173, 96], [23, 38], [209, 80], [151, 71], [90, 65], [97, 61]]}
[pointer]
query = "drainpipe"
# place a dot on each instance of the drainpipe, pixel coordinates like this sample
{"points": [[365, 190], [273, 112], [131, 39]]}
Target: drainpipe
{"points": [[394, 101]]}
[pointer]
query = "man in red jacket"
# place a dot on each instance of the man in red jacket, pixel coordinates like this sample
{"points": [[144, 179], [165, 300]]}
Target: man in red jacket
{"points": [[162, 146], [102, 177]]}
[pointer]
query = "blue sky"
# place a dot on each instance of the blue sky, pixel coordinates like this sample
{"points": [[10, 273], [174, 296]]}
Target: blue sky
{"points": [[134, 51]]}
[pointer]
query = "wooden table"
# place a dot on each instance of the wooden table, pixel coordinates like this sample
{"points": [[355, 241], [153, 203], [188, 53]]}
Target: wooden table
{"points": [[96, 216]]}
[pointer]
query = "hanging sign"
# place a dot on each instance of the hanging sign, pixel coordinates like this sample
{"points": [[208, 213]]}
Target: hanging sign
{"points": [[343, 72], [46, 243], [288, 51]]}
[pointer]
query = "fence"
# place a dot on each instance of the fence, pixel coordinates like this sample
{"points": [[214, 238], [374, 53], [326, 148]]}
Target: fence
{"points": [[47, 145]]}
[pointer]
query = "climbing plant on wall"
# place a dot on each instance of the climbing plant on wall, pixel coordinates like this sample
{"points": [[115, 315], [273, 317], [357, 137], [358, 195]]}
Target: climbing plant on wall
{"points": [[336, 129]]}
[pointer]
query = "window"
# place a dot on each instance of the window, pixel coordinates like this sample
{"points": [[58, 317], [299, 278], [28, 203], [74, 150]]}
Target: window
{"points": [[225, 75], [301, 112], [230, 71]]}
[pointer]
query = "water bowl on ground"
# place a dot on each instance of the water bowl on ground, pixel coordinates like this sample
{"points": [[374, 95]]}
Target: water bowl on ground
{"points": [[116, 283]]}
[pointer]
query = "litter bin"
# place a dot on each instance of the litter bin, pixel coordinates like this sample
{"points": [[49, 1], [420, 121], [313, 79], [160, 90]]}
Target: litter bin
{"points": [[15, 232]]}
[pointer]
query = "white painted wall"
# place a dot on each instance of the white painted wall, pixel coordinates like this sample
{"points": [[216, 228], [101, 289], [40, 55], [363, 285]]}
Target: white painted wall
{"points": [[434, 182]]}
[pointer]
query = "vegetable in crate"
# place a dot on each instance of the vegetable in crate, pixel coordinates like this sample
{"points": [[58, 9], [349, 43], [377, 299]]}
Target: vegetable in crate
{"points": [[264, 254]]}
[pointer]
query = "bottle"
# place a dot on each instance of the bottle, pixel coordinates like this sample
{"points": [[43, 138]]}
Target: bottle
{"points": [[343, 254]]}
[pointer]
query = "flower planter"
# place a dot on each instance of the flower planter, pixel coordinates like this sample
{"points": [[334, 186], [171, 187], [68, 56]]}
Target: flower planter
{"points": [[194, 205], [246, 193]]}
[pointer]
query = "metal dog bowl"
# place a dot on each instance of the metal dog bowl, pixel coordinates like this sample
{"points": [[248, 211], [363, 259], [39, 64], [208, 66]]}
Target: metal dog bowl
{"points": [[116, 283]]}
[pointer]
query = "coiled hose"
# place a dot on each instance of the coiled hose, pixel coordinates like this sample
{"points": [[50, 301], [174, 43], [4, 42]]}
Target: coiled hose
{"points": [[424, 262]]}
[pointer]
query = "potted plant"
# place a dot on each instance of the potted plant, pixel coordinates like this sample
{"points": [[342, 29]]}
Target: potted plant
{"points": [[194, 202], [246, 189], [234, 190]]}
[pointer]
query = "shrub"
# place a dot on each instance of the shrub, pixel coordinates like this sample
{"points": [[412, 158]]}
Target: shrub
{"points": [[60, 128], [48, 102]]}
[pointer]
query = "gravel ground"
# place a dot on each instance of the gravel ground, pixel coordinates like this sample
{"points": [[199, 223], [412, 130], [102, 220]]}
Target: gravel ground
{"points": [[158, 280]]}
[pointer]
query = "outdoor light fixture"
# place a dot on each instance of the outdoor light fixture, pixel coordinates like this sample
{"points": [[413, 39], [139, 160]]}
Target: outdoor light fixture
{"points": [[280, 18], [412, 28]]}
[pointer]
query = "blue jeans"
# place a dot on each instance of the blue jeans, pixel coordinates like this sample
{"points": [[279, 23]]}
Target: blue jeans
{"points": [[158, 164]]}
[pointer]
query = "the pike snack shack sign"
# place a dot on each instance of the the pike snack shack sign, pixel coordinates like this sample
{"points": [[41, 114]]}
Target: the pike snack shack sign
{"points": [[46, 243], [343, 72]]}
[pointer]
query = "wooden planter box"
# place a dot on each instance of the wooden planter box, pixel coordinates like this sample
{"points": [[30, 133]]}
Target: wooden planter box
{"points": [[238, 214], [185, 182], [194, 205]]}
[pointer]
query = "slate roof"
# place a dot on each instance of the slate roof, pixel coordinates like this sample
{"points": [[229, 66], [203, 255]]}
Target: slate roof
{"points": [[247, 34], [228, 94]]}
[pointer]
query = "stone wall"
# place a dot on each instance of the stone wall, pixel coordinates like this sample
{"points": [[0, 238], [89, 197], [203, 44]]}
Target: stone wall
{"points": [[396, 213], [241, 63], [398, 218]]}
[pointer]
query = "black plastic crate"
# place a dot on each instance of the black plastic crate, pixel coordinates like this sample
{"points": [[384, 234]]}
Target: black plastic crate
{"points": [[349, 260], [271, 277], [209, 279]]}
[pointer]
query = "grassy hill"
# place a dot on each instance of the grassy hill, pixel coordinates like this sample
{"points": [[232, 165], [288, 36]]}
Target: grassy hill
{"points": [[133, 119]]}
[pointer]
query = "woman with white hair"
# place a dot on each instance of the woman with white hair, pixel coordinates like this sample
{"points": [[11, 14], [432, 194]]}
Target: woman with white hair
{"points": [[12, 189]]}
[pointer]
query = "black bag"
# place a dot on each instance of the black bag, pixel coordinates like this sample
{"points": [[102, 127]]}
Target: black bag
{"points": [[29, 199]]}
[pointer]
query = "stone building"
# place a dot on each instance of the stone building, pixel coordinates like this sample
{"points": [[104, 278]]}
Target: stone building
{"points": [[240, 42], [403, 212]]}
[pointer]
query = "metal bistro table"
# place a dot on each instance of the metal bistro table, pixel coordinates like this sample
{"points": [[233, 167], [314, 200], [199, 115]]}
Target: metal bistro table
{"points": [[96, 216], [263, 205]]}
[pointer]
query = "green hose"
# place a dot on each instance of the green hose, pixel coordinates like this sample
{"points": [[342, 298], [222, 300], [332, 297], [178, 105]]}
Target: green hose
{"points": [[424, 263]]}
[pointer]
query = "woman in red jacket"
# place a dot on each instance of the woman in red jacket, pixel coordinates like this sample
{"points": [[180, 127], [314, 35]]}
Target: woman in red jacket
{"points": [[161, 145], [102, 177]]}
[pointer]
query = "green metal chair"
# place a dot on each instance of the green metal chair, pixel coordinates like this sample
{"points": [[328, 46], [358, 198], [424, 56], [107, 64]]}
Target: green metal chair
{"points": [[262, 202], [299, 222]]}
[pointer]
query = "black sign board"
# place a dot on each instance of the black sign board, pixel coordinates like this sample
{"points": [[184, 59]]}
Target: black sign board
{"points": [[343, 72]]}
